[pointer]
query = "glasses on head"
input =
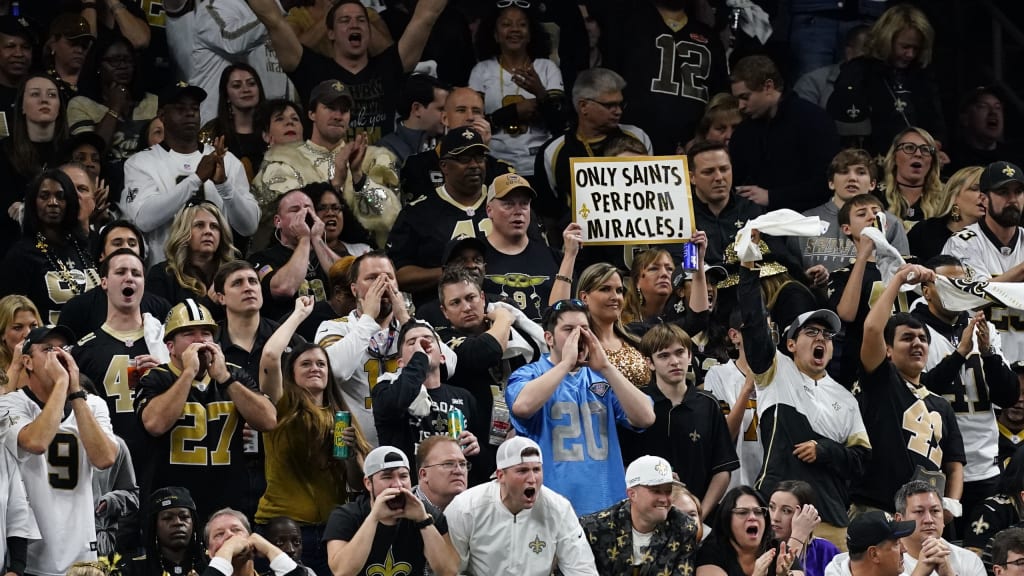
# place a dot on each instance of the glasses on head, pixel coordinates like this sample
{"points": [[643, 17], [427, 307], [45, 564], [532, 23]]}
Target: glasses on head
{"points": [[909, 148], [451, 465], [516, 3], [1019, 563], [815, 332], [619, 105], [568, 304], [744, 512]]}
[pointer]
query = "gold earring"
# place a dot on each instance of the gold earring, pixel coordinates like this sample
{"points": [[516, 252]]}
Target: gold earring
{"points": [[954, 214]]}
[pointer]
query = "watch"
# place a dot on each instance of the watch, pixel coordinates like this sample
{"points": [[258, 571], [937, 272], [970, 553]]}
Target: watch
{"points": [[428, 521], [76, 395]]}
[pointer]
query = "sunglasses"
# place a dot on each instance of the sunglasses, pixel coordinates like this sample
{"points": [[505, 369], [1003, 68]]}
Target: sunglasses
{"points": [[516, 3], [568, 304]]}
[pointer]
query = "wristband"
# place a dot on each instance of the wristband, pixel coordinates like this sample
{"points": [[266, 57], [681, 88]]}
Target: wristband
{"points": [[223, 386], [563, 278], [76, 395], [429, 521]]}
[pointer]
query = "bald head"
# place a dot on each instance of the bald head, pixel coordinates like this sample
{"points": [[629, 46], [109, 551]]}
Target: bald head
{"points": [[462, 107]]}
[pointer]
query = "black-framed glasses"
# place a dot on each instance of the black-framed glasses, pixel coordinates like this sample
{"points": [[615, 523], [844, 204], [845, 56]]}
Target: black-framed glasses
{"points": [[619, 105], [909, 148], [451, 465], [336, 208], [516, 3], [815, 332], [1019, 563], [744, 512]]}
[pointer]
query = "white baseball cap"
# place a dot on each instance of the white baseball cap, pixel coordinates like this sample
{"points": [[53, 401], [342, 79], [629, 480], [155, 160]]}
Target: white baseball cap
{"points": [[510, 453], [649, 471], [384, 458]]}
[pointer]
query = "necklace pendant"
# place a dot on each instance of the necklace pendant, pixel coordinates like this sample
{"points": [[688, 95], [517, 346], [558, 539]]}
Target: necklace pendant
{"points": [[129, 343], [470, 212]]}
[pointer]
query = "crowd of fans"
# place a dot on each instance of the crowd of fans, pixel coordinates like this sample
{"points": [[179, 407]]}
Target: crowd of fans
{"points": [[296, 286]]}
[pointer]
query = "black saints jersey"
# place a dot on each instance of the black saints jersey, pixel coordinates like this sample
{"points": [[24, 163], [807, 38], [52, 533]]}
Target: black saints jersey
{"points": [[203, 450], [671, 71], [104, 356], [48, 274]]}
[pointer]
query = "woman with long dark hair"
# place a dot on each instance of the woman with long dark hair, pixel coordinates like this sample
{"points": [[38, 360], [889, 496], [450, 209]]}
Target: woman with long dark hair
{"points": [[239, 97], [522, 88], [305, 480], [53, 261], [38, 131], [741, 543]]}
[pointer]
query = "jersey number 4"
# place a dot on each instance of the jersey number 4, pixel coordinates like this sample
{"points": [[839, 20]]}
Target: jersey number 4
{"points": [[683, 70], [924, 426]]}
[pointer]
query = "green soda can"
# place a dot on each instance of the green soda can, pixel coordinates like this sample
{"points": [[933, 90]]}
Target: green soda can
{"points": [[456, 423], [342, 420]]}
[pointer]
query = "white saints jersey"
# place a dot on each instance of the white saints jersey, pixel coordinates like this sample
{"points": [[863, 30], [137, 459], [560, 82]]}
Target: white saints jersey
{"points": [[725, 381], [973, 408], [359, 353], [16, 517], [58, 483], [984, 259]]}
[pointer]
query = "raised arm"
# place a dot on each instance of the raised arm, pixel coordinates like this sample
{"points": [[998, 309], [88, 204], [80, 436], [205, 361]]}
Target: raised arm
{"points": [[255, 408], [699, 284], [872, 348], [638, 406], [849, 302], [36, 436], [414, 39], [94, 429], [282, 37], [571, 242], [273, 349], [538, 391]]}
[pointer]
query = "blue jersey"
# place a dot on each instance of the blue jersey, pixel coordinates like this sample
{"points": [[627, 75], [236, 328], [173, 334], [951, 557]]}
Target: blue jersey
{"points": [[577, 435]]}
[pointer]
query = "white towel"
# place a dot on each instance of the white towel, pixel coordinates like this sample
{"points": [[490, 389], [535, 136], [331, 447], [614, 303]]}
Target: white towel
{"points": [[523, 328], [958, 295], [887, 258], [153, 333], [783, 222]]}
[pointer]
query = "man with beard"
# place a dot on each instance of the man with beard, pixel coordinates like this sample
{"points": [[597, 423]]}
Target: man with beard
{"points": [[232, 547], [993, 248], [116, 355], [1011, 421], [643, 532], [161, 180], [363, 345], [296, 261], [492, 340], [193, 409], [413, 405], [427, 223], [516, 525], [913, 431], [388, 531], [375, 81], [982, 381], [16, 39], [170, 537]]}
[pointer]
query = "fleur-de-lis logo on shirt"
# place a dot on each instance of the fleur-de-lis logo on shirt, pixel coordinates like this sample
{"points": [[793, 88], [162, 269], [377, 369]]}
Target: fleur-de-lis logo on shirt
{"points": [[538, 545], [389, 567]]}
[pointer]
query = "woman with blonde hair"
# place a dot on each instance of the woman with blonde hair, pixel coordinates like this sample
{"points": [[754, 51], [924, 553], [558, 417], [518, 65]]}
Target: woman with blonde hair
{"points": [[720, 119], [911, 188], [601, 288], [199, 242], [888, 89], [18, 316], [305, 480], [965, 205]]}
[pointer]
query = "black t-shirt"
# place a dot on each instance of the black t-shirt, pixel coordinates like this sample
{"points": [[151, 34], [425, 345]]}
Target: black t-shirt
{"points": [[928, 238], [49, 279], [269, 261], [395, 546], [87, 312], [711, 554], [16, 183], [523, 280], [103, 356], [374, 89], [670, 74], [909, 427], [846, 347], [202, 451], [161, 282]]}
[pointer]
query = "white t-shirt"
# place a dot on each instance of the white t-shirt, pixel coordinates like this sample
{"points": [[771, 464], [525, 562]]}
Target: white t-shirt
{"points": [[58, 484], [641, 542], [964, 562], [725, 381], [489, 78]]}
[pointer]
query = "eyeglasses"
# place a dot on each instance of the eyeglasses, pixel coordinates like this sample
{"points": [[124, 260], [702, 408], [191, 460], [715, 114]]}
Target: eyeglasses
{"points": [[909, 148], [1019, 563], [609, 106], [568, 304], [744, 512], [451, 465], [516, 3], [815, 332], [336, 208], [117, 61]]}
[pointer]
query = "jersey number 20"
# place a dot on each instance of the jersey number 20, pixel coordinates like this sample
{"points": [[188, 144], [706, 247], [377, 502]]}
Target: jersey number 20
{"points": [[571, 438]]}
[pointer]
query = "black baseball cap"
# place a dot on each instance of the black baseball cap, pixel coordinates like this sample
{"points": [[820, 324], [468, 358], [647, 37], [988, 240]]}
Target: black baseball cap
{"points": [[175, 91], [462, 140], [37, 335], [873, 528], [14, 26], [998, 174], [458, 243], [170, 497], [328, 93]]}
